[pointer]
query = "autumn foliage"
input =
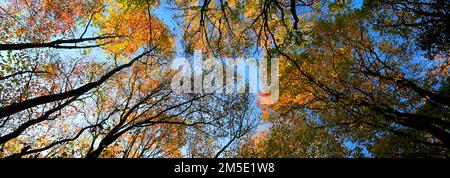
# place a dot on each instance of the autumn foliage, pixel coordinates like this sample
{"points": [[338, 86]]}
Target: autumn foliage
{"points": [[91, 78]]}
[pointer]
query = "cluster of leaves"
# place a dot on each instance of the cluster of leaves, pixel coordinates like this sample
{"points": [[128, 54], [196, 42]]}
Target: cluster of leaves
{"points": [[40, 20]]}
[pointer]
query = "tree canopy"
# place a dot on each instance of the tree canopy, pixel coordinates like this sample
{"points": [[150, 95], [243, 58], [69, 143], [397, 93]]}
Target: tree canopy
{"points": [[92, 78]]}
